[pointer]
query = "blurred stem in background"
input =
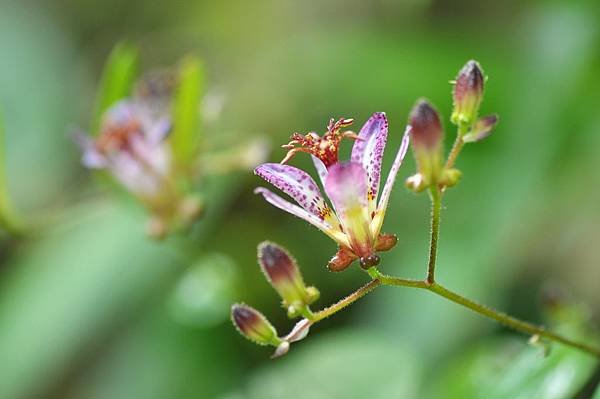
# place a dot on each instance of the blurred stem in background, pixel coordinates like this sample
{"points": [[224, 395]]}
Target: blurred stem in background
{"points": [[9, 220]]}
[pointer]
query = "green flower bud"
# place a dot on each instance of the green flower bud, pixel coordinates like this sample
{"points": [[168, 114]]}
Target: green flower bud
{"points": [[467, 94], [450, 177], [253, 325], [427, 136], [282, 272]]}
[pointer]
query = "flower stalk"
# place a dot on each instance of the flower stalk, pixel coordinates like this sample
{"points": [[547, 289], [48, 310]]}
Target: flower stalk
{"points": [[379, 279]]}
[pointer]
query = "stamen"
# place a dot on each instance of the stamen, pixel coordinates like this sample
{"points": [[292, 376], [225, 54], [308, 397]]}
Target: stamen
{"points": [[326, 147]]}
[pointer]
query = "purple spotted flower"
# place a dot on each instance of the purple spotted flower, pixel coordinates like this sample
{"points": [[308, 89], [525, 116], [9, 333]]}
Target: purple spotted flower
{"points": [[131, 146], [355, 217]]}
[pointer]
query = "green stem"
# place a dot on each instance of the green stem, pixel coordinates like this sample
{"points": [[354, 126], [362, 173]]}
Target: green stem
{"points": [[436, 206], [336, 307], [502, 318], [510, 321], [457, 146]]}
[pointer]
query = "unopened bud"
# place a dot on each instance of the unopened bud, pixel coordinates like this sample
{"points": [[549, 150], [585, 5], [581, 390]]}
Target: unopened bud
{"points": [[253, 325], [156, 228], [190, 209], [468, 93], [282, 272], [482, 128], [416, 183], [427, 136], [450, 177]]}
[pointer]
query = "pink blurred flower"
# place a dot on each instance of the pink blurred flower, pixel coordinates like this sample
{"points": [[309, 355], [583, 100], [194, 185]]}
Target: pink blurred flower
{"points": [[131, 146]]}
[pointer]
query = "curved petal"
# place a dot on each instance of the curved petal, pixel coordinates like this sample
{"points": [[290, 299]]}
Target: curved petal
{"points": [[90, 157], [277, 201], [389, 184], [368, 151], [300, 186], [346, 186], [321, 169]]}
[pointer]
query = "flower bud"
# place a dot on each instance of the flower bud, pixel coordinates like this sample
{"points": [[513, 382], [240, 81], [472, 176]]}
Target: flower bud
{"points": [[450, 177], [482, 128], [282, 272], [416, 183], [468, 93], [427, 136], [253, 325]]}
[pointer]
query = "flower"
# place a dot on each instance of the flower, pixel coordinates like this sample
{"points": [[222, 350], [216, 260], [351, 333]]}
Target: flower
{"points": [[132, 147], [356, 216]]}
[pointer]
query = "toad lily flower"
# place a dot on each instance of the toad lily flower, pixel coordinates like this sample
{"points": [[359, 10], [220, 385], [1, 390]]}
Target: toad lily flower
{"points": [[355, 219], [132, 147]]}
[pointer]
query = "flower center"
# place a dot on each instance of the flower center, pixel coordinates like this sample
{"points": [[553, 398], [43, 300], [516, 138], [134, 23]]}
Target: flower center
{"points": [[324, 147], [117, 136]]}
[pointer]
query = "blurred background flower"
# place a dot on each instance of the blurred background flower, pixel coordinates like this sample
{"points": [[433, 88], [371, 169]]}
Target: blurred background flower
{"points": [[89, 308]]}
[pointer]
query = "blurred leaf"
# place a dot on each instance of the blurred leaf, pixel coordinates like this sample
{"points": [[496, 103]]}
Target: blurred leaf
{"points": [[506, 368], [8, 218], [204, 294], [117, 80], [353, 364], [186, 110], [69, 289]]}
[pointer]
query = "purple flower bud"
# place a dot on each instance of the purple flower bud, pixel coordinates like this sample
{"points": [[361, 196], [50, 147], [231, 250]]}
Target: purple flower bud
{"points": [[468, 93], [282, 272], [482, 129], [426, 128], [427, 136], [253, 325]]}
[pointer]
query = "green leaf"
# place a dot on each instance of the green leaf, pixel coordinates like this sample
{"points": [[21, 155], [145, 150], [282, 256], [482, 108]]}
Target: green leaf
{"points": [[118, 77], [204, 294], [507, 368], [8, 219], [186, 110], [356, 363]]}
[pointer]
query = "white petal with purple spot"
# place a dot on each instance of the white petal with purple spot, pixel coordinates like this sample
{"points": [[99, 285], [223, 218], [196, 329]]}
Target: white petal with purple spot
{"points": [[389, 184], [300, 186], [368, 151]]}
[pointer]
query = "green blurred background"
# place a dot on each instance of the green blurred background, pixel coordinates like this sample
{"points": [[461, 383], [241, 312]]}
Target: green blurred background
{"points": [[90, 308]]}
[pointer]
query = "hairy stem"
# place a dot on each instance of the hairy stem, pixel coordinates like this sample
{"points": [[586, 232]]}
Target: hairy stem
{"points": [[510, 321], [457, 146], [502, 318], [436, 206], [336, 307]]}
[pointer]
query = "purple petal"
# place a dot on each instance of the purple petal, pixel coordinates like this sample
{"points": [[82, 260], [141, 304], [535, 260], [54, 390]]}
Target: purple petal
{"points": [[90, 157], [157, 130], [277, 201], [389, 184], [368, 151], [300, 186], [346, 186]]}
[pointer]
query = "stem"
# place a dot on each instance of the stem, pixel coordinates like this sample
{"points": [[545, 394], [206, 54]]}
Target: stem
{"points": [[510, 321], [336, 307], [502, 318], [436, 206], [457, 146]]}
